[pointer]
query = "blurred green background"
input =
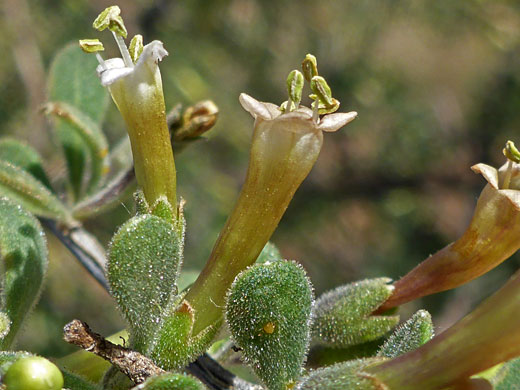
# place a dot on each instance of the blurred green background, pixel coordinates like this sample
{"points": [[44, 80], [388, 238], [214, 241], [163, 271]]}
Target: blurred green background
{"points": [[436, 85]]}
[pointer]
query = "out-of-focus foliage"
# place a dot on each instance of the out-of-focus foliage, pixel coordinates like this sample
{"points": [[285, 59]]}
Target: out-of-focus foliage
{"points": [[436, 85]]}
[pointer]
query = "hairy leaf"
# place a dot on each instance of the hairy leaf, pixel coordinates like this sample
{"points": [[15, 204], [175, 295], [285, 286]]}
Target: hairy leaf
{"points": [[73, 80], [24, 156], [269, 253], [174, 343], [143, 266], [23, 252], [343, 317], [91, 135], [508, 377], [342, 376], [76, 382], [171, 381], [268, 312], [409, 336], [23, 188]]}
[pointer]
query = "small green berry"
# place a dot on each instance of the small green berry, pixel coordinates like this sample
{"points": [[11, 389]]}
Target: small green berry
{"points": [[33, 373]]}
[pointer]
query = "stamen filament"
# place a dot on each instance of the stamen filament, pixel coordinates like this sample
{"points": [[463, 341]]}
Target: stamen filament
{"points": [[315, 111], [507, 178], [124, 50], [101, 61]]}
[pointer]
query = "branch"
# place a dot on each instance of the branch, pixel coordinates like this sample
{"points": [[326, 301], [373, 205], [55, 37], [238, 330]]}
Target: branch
{"points": [[131, 363]]}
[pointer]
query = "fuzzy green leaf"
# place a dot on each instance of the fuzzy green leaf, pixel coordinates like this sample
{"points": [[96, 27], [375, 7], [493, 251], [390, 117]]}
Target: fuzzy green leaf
{"points": [[25, 157], [343, 317], [144, 260], [268, 312], [175, 345], [409, 336], [73, 80], [342, 376], [269, 253], [23, 252], [171, 381], [508, 377], [23, 188], [91, 135], [76, 382]]}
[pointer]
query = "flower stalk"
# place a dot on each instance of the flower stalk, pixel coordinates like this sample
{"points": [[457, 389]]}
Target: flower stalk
{"points": [[492, 236]]}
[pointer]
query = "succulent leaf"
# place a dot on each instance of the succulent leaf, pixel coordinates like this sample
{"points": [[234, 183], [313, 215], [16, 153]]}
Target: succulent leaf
{"points": [[72, 81], [268, 312], [171, 381], [24, 189], [23, 156], [342, 376], [409, 336], [343, 317], [175, 345], [269, 253], [144, 262], [23, 251], [90, 133], [508, 377]]}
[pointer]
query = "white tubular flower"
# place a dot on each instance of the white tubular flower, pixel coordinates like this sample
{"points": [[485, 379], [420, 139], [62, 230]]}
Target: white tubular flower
{"points": [[134, 81]]}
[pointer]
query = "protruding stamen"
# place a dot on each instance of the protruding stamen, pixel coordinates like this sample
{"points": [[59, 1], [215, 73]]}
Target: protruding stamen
{"points": [[124, 50], [323, 100], [110, 18], [136, 47], [513, 155], [310, 67], [93, 46], [294, 89]]}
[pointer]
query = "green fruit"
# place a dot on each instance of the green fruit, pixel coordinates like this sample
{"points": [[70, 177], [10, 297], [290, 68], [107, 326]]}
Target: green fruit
{"points": [[33, 373]]}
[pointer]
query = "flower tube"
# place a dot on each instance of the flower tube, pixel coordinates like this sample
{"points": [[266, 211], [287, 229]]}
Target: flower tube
{"points": [[284, 148], [487, 336], [492, 236], [135, 84]]}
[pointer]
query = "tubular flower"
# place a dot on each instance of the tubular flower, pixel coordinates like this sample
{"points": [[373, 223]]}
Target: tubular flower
{"points": [[492, 236], [487, 336], [286, 143], [134, 81]]}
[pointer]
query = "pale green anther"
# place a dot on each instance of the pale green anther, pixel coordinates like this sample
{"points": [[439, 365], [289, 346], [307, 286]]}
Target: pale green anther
{"points": [[110, 18], [310, 67], [91, 45], [295, 82], [136, 47], [511, 152], [322, 91], [322, 108], [283, 106]]}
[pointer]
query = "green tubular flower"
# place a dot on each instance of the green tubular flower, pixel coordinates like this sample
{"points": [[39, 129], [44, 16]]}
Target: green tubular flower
{"points": [[492, 236], [284, 149], [136, 89]]}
